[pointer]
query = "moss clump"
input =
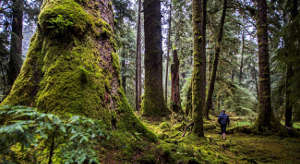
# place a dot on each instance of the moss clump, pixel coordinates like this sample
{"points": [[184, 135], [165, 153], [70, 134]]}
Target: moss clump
{"points": [[60, 18]]}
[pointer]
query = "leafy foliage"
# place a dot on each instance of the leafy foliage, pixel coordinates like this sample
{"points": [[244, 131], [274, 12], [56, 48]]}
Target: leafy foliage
{"points": [[27, 135]]}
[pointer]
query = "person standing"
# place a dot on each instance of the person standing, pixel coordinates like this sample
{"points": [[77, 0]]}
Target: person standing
{"points": [[223, 120]]}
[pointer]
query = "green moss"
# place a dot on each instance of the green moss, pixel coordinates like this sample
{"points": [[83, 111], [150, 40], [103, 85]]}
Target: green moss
{"points": [[68, 72], [60, 18], [129, 121], [22, 92], [62, 75], [164, 125], [152, 107]]}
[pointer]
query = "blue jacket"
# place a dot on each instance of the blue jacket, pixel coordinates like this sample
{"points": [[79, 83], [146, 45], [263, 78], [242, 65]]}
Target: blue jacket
{"points": [[223, 119]]}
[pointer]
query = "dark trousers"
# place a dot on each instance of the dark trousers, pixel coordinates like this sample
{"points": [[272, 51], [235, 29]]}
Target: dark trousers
{"points": [[223, 128]]}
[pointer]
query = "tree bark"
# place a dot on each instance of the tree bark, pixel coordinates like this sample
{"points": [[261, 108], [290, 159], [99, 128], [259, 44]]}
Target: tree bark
{"points": [[72, 67], [254, 76], [175, 95], [199, 70], [123, 74], [242, 59], [153, 101], [15, 58], [210, 65], [265, 116], [288, 104], [289, 75], [216, 62], [138, 73], [188, 105], [168, 52]]}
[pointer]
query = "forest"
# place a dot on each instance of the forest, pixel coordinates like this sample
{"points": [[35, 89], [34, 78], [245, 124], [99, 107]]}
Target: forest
{"points": [[149, 81]]}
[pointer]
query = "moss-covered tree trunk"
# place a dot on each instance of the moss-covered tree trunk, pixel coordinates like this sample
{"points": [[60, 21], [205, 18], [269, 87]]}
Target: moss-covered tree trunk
{"points": [[123, 71], [215, 63], [188, 105], [153, 101], [15, 54], [199, 70], [168, 53], [72, 67], [266, 117], [175, 92], [138, 73]]}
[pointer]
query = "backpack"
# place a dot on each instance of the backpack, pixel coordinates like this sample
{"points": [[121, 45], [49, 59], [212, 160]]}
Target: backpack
{"points": [[223, 119]]}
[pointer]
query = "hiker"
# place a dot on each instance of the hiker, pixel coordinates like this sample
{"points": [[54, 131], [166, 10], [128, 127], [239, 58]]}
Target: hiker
{"points": [[223, 120]]}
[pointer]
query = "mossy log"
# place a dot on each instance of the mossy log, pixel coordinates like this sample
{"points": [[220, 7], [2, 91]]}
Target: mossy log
{"points": [[71, 66]]}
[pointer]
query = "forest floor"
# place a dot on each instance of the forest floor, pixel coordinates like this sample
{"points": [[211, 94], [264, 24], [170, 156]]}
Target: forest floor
{"points": [[237, 148]]}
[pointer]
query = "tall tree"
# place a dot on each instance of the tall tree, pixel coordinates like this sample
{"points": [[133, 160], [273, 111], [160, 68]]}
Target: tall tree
{"points": [[168, 52], [216, 62], [153, 101], [289, 75], [265, 116], [242, 58], [199, 70], [15, 59], [138, 73], [72, 66], [175, 92]]}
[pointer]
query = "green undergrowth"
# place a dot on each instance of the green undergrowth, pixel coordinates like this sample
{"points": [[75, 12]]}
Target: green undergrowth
{"points": [[237, 148], [29, 136]]}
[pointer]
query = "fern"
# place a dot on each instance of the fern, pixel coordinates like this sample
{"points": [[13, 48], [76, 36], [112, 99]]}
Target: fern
{"points": [[67, 140]]}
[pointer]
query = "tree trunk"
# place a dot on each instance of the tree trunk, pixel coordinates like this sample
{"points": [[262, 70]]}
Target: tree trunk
{"points": [[175, 95], [242, 59], [188, 105], [288, 104], [138, 73], [210, 65], [265, 116], [15, 58], [123, 72], [3, 80], [232, 75], [168, 52], [289, 75], [232, 72], [254, 76], [153, 101], [199, 70], [216, 62], [72, 67]]}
